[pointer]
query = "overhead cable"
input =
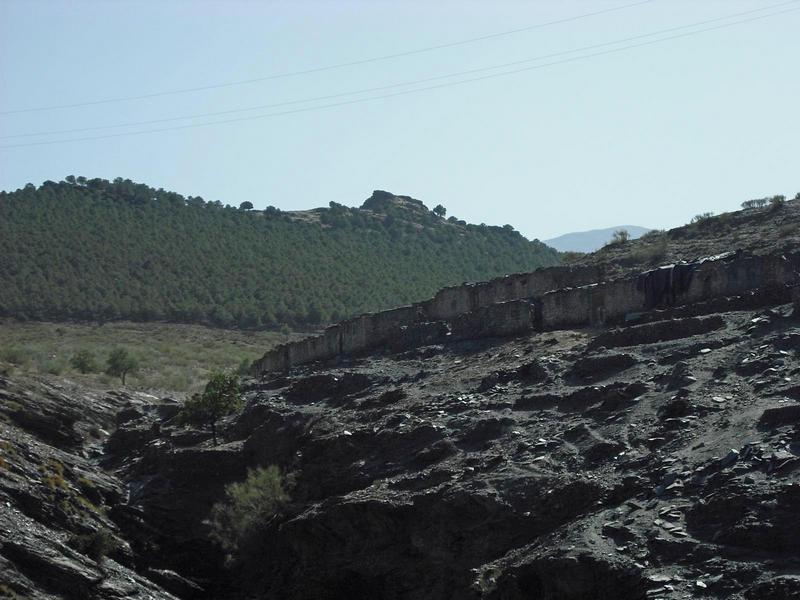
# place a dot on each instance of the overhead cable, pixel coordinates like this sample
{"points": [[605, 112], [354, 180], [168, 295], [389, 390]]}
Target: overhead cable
{"points": [[406, 92], [321, 69]]}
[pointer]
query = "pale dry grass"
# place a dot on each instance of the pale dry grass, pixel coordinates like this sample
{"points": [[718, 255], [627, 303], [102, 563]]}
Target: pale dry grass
{"points": [[172, 357]]}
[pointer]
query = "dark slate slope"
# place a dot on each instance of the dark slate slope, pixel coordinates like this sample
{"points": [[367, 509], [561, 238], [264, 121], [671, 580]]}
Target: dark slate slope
{"points": [[53, 493], [541, 466]]}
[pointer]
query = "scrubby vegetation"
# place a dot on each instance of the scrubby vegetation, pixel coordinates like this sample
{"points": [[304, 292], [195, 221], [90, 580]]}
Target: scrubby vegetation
{"points": [[773, 201], [121, 362], [96, 545], [652, 249], [84, 361], [52, 474], [702, 217], [571, 257], [249, 506], [764, 225], [99, 250], [220, 397], [172, 357], [619, 238]]}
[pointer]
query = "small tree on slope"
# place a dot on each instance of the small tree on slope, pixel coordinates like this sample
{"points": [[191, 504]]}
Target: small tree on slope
{"points": [[221, 397], [238, 523], [120, 363]]}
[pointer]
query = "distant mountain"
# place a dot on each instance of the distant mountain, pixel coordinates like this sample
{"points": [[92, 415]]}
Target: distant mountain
{"points": [[97, 249], [589, 241]]}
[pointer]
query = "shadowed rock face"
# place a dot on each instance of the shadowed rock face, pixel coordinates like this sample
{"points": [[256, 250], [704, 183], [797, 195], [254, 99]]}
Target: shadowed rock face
{"points": [[666, 285], [661, 331], [537, 466], [52, 490]]}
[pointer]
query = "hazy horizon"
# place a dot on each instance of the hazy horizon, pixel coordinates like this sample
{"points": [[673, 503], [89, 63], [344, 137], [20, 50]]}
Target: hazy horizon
{"points": [[651, 135]]}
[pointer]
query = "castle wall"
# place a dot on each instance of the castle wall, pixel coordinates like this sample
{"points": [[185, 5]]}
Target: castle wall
{"points": [[547, 299], [590, 305], [557, 278], [571, 307], [612, 301], [501, 319], [275, 360], [733, 275], [320, 347], [453, 301], [449, 302], [384, 324], [419, 334]]}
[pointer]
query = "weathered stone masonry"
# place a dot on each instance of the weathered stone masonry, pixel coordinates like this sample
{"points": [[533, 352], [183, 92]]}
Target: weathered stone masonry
{"points": [[546, 299], [610, 302], [402, 325]]}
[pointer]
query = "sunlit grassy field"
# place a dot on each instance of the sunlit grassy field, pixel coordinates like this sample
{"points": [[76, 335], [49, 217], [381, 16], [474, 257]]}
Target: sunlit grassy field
{"points": [[172, 358]]}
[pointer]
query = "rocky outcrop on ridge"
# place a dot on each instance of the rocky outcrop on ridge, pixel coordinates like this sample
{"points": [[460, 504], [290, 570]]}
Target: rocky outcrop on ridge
{"points": [[775, 228]]}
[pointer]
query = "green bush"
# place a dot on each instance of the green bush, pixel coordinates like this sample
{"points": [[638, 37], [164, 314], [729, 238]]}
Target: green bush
{"points": [[777, 202], [248, 508], [702, 218], [53, 366], [620, 237], [120, 363], [84, 362], [755, 203], [15, 355], [244, 367], [96, 545], [221, 397], [653, 234]]}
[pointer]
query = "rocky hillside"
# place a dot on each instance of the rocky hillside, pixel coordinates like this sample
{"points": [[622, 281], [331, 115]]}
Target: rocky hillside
{"points": [[760, 230], [60, 508], [658, 460]]}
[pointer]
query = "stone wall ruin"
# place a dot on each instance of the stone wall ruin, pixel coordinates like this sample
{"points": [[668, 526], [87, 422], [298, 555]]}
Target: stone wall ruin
{"points": [[546, 299]]}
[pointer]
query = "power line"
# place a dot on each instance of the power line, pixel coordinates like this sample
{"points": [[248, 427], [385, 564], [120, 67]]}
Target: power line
{"points": [[400, 84], [328, 67], [405, 92]]}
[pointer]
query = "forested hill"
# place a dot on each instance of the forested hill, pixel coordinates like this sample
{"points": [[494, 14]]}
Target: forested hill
{"points": [[94, 249]]}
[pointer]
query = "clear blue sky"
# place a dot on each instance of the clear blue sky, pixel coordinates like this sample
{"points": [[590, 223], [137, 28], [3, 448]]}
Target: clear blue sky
{"points": [[649, 136]]}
